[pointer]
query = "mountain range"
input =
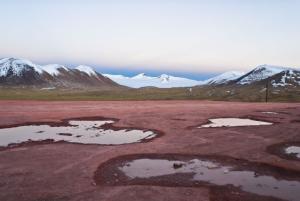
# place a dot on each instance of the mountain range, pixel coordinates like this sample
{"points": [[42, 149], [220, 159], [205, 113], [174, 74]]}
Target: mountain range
{"points": [[162, 81], [20, 72], [275, 75]]}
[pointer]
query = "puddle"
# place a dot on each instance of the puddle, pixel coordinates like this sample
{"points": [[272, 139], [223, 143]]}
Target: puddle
{"points": [[85, 132], [230, 122], [206, 171], [293, 150], [286, 150], [269, 112], [181, 172]]}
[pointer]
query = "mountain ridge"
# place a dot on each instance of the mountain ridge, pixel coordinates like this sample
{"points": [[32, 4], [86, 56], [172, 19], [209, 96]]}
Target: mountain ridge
{"points": [[22, 72], [261, 72], [15, 72]]}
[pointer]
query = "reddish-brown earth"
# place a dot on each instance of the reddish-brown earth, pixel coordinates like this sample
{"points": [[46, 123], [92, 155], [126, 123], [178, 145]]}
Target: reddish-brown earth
{"points": [[65, 171]]}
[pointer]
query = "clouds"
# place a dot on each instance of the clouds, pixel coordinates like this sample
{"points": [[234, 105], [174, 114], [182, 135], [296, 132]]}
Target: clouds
{"points": [[194, 36]]}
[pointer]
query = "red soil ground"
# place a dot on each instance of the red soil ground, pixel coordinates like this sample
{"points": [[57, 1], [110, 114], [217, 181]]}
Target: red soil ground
{"points": [[65, 171]]}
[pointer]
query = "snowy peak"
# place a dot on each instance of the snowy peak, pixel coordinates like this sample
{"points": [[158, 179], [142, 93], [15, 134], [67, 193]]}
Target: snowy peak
{"points": [[16, 72], [261, 72], [15, 67], [168, 81], [54, 69], [162, 81], [286, 78], [224, 78], [232, 77], [21, 72], [86, 69], [164, 78], [141, 76]]}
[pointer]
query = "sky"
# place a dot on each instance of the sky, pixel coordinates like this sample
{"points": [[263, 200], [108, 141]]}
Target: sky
{"points": [[195, 38]]}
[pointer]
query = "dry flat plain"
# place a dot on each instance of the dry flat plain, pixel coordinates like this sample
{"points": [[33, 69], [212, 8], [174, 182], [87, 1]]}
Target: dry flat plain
{"points": [[48, 171]]}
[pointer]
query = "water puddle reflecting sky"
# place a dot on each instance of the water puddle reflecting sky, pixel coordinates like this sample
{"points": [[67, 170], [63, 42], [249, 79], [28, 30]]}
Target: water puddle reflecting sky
{"points": [[230, 122], [85, 132], [269, 112], [293, 150], [213, 173]]}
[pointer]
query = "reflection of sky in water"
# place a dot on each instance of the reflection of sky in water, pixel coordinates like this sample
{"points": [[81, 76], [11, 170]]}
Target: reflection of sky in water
{"points": [[214, 173], [269, 112], [293, 150], [85, 132], [220, 122]]}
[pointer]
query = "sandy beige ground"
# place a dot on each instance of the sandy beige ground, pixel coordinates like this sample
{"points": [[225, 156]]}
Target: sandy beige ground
{"points": [[65, 171]]}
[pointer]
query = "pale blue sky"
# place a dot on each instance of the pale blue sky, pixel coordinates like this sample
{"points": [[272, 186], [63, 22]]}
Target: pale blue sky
{"points": [[156, 35]]}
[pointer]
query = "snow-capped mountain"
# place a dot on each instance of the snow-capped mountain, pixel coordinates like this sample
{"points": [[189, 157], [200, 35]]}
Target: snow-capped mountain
{"points": [[260, 73], [162, 81], [54, 69], [86, 69], [286, 78], [224, 78], [278, 76], [21, 72], [168, 81], [12, 66]]}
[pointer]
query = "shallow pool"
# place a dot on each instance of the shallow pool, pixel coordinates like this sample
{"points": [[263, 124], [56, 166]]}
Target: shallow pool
{"points": [[212, 173], [293, 150], [231, 122], [84, 132]]}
